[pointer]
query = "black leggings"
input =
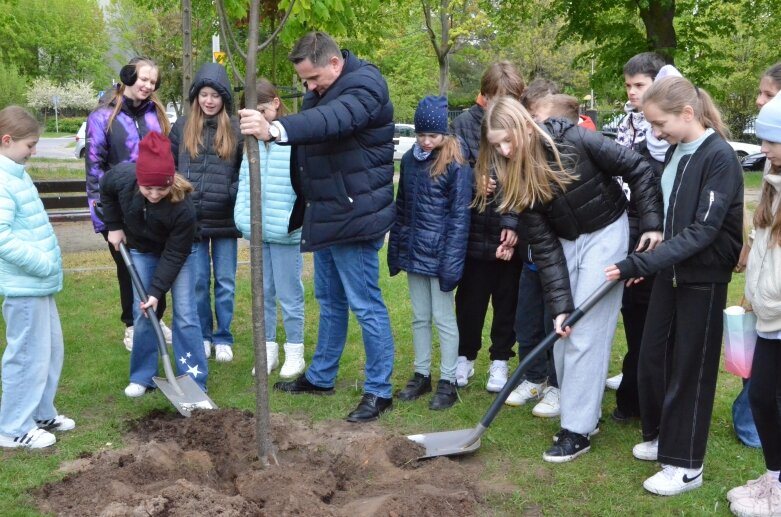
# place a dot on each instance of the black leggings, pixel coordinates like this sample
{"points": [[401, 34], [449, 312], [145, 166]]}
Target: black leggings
{"points": [[765, 396]]}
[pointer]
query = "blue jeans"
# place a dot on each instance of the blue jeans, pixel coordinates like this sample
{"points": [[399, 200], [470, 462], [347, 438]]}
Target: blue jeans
{"points": [[429, 304], [223, 257], [347, 275], [532, 324], [282, 267], [188, 353], [32, 363]]}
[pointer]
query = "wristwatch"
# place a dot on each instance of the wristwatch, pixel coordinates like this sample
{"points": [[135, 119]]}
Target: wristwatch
{"points": [[273, 132]]}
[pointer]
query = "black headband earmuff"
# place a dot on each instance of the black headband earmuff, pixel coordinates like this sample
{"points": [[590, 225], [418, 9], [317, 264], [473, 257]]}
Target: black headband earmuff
{"points": [[128, 75]]}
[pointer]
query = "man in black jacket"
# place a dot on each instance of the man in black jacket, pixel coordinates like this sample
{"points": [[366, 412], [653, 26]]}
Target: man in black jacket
{"points": [[342, 172]]}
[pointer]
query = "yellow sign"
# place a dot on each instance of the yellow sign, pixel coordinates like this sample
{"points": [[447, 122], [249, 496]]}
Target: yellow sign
{"points": [[219, 57]]}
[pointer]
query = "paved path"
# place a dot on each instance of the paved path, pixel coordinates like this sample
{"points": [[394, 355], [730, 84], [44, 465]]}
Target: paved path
{"points": [[55, 148]]}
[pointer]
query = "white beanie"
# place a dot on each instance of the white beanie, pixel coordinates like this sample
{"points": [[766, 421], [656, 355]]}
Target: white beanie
{"points": [[768, 124]]}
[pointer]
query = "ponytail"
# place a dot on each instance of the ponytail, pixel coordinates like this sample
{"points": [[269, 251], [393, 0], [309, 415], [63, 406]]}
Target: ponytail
{"points": [[672, 94], [180, 188]]}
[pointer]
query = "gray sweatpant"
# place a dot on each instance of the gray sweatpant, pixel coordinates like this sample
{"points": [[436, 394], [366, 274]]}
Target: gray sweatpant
{"points": [[582, 358]]}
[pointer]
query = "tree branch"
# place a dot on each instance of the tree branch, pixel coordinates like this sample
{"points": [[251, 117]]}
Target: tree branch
{"points": [[281, 25], [226, 32]]}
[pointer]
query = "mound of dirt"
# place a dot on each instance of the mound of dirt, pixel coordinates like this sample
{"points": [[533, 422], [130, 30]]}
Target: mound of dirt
{"points": [[207, 465]]}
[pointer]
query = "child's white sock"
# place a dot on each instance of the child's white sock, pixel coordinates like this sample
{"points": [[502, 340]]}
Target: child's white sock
{"points": [[774, 475]]}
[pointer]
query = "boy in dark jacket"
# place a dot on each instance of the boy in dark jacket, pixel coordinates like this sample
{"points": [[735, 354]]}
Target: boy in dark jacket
{"points": [[486, 277]]}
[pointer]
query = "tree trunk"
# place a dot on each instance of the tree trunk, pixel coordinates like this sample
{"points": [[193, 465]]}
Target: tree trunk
{"points": [[658, 15], [187, 54], [443, 52], [266, 452]]}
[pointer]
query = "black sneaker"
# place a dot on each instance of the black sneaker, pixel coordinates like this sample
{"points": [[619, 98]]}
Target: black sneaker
{"points": [[569, 446], [445, 397], [557, 436], [622, 417], [418, 385], [302, 385]]}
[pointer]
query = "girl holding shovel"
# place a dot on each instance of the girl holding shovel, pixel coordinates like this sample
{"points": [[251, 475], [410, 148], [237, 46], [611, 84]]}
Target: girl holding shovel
{"points": [[148, 207]]}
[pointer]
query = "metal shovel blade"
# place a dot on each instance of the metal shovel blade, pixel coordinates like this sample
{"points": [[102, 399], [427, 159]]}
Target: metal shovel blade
{"points": [[447, 443], [185, 394]]}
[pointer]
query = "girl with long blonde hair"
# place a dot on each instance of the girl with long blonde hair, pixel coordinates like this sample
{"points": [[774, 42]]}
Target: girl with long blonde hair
{"points": [[573, 213], [207, 150]]}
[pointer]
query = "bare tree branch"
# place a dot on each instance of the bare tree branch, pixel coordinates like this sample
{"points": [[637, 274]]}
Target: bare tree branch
{"points": [[227, 35]]}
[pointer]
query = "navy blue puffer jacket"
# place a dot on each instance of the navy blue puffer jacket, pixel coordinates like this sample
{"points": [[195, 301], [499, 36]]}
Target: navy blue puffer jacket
{"points": [[342, 159], [429, 234]]}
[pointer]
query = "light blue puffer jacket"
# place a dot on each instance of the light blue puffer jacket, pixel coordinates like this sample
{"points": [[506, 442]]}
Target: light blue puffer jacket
{"points": [[30, 259], [276, 194]]}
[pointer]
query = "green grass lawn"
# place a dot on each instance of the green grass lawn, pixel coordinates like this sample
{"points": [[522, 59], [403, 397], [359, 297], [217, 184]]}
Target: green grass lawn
{"points": [[606, 481]]}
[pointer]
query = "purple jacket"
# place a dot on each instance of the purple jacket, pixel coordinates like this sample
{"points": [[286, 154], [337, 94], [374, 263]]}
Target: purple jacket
{"points": [[105, 148]]}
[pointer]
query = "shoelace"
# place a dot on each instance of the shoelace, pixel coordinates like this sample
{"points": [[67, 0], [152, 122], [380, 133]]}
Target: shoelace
{"points": [[497, 368]]}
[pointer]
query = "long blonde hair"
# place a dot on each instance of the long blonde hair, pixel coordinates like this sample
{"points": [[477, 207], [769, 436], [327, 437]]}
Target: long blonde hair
{"points": [[672, 94], [179, 189], [119, 97], [449, 152], [224, 140], [533, 174], [764, 216]]}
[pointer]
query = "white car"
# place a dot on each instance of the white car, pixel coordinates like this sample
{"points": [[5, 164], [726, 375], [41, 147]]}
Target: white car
{"points": [[743, 149], [81, 141], [403, 138]]}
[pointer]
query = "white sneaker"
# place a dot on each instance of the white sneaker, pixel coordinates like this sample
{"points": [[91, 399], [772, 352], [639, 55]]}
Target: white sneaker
{"points": [[134, 390], [525, 392], [549, 406], [673, 480], [207, 348], [464, 370], [767, 505], [128, 339], [755, 488], [58, 423], [614, 382], [36, 438], [223, 353], [497, 376], [272, 356], [646, 451], [294, 361], [167, 334]]}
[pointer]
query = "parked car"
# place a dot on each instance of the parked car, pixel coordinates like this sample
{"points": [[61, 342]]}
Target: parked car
{"points": [[403, 138], [743, 149], [753, 162], [81, 141]]}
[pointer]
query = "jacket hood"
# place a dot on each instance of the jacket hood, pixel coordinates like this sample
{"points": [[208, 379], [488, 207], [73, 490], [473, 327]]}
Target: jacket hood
{"points": [[556, 127], [214, 76]]}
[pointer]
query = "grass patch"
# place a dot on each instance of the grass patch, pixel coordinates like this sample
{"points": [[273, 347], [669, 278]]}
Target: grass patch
{"points": [[607, 481], [53, 134], [752, 179]]}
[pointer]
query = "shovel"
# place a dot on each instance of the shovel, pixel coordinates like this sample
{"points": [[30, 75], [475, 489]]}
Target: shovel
{"points": [[453, 443], [182, 391]]}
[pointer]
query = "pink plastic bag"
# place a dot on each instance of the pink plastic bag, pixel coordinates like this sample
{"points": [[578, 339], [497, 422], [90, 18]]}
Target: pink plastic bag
{"points": [[740, 337]]}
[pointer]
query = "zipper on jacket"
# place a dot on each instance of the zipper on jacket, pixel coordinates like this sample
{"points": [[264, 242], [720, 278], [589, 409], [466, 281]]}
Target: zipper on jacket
{"points": [[672, 221], [710, 204]]}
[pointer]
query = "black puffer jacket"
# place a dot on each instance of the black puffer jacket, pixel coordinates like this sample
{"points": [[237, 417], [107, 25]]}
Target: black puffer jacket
{"points": [[165, 229], [342, 159], [703, 231], [216, 181], [590, 203], [485, 228]]}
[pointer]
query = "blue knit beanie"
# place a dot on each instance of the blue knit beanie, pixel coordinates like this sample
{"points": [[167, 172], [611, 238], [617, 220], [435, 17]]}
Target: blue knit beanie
{"points": [[768, 124], [431, 115]]}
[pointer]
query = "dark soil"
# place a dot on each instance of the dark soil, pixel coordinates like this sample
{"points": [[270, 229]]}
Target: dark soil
{"points": [[207, 465]]}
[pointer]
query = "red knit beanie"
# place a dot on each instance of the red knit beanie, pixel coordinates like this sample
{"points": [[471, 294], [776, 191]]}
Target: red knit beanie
{"points": [[155, 164]]}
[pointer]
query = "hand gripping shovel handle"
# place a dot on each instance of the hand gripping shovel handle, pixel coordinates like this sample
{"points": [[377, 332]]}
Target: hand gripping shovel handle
{"points": [[139, 287], [546, 343]]}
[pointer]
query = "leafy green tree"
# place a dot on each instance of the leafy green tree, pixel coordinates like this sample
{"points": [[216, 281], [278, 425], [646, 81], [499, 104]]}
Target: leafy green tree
{"points": [[13, 86], [59, 39]]}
